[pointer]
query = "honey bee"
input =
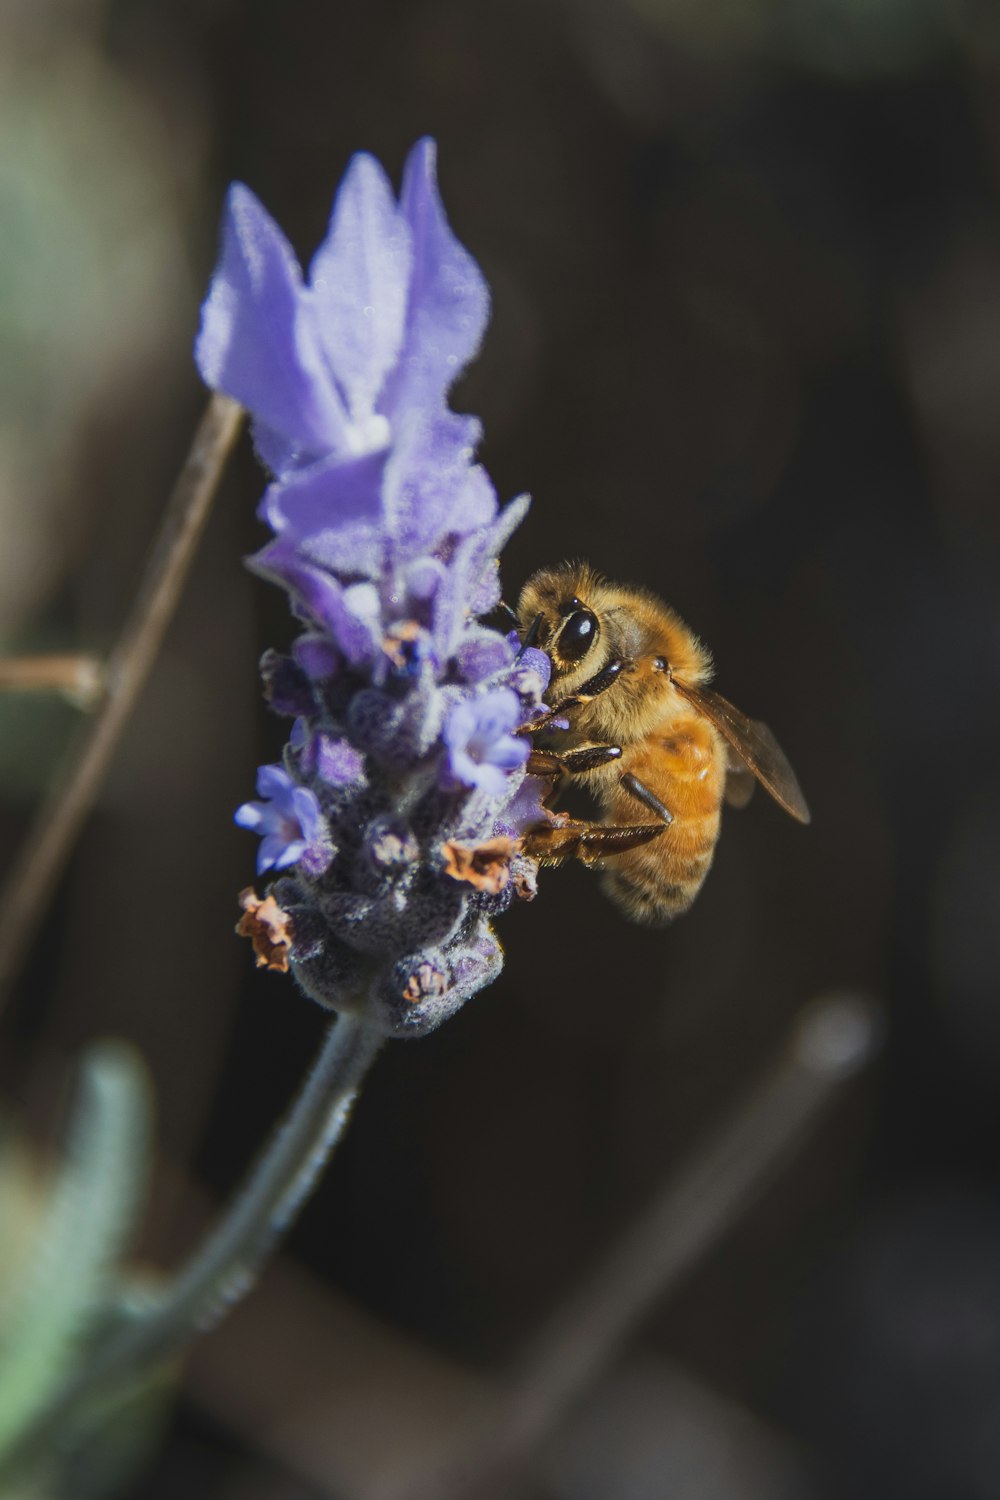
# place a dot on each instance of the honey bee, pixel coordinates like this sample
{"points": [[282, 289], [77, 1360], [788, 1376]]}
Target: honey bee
{"points": [[647, 732]]}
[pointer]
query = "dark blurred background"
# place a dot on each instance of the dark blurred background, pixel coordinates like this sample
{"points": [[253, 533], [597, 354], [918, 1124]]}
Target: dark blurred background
{"points": [[745, 350]]}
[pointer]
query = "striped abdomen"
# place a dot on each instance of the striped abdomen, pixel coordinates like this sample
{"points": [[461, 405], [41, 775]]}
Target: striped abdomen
{"points": [[685, 767]]}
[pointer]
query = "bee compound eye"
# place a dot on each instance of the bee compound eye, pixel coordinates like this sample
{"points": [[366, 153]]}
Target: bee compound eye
{"points": [[577, 635]]}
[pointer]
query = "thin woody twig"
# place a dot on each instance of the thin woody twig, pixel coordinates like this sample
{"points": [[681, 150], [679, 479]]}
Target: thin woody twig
{"points": [[46, 848], [79, 676], [834, 1039]]}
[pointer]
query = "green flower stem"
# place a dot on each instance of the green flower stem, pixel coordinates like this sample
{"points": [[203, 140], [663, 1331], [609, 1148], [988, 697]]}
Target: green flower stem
{"points": [[225, 1266]]}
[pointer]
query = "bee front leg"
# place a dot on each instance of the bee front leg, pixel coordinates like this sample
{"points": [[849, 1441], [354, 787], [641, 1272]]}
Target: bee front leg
{"points": [[576, 762], [590, 690]]}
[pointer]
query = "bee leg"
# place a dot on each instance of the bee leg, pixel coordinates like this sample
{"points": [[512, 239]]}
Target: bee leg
{"points": [[572, 762], [598, 684], [648, 799], [568, 839], [590, 690]]}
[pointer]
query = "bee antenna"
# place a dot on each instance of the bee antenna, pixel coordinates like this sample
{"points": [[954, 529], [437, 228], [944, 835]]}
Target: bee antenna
{"points": [[511, 615], [531, 635]]}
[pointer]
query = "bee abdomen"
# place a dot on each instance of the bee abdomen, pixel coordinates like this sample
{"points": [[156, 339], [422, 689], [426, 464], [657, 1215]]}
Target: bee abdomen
{"points": [[653, 902], [659, 880]]}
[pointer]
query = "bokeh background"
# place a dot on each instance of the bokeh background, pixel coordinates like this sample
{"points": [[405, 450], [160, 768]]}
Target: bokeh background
{"points": [[745, 350]]}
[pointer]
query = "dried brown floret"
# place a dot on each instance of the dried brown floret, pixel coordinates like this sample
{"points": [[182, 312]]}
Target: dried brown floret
{"points": [[427, 980], [265, 923], [485, 866]]}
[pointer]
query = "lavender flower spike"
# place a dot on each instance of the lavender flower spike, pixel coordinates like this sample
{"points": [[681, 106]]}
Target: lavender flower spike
{"points": [[397, 812]]}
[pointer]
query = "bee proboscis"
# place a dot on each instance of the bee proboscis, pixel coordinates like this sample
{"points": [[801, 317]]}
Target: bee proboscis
{"points": [[648, 733]]}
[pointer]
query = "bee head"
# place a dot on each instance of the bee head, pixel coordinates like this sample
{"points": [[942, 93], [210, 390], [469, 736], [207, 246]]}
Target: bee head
{"points": [[555, 615]]}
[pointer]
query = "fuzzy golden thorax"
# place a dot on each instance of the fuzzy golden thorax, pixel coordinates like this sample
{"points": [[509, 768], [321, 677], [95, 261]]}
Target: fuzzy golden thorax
{"points": [[585, 623]]}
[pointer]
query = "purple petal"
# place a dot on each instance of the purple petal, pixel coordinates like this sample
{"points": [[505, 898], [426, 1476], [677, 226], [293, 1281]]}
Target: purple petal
{"points": [[480, 748], [359, 279], [525, 809], [275, 451], [484, 590], [361, 623], [451, 601], [537, 663], [487, 777], [306, 810], [323, 497], [316, 592], [334, 512], [338, 761], [423, 578], [449, 301], [352, 616], [257, 342], [249, 815], [459, 726], [274, 783], [472, 582], [509, 753], [317, 656], [432, 489], [276, 853], [496, 713], [508, 521], [314, 859], [481, 654]]}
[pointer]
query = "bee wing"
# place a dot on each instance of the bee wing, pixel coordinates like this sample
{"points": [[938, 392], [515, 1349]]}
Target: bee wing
{"points": [[739, 781], [755, 745]]}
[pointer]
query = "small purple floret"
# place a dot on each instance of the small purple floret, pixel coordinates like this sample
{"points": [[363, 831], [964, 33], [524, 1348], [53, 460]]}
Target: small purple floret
{"points": [[481, 749], [288, 820]]}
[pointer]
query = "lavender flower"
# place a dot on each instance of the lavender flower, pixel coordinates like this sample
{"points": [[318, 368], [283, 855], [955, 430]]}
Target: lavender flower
{"points": [[288, 820], [481, 748], [403, 793]]}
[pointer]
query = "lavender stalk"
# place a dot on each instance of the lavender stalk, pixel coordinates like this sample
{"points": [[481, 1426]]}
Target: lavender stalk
{"points": [[392, 826], [158, 1326]]}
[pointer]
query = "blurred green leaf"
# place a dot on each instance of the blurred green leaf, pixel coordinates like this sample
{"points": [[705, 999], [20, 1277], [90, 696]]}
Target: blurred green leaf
{"points": [[93, 295], [66, 1281]]}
